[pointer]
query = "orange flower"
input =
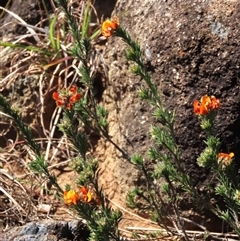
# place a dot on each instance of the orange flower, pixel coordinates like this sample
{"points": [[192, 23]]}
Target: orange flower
{"points": [[75, 96], [67, 97], [225, 159], [205, 105], [108, 27], [86, 195], [59, 101], [70, 197]]}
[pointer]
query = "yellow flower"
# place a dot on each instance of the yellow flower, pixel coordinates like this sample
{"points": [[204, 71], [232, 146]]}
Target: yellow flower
{"points": [[70, 197]]}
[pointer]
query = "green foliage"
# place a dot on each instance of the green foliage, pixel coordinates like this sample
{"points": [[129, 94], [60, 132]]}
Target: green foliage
{"points": [[132, 195], [55, 43], [39, 165], [86, 114], [162, 138], [102, 115], [45, 52], [69, 125], [137, 160], [67, 187], [164, 116], [86, 168], [207, 157], [24, 129], [86, 20]]}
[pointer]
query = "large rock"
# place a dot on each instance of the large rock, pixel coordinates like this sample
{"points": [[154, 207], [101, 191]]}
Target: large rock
{"points": [[47, 230]]}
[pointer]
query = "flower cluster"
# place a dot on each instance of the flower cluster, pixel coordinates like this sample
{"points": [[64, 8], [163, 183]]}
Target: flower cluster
{"points": [[67, 98], [205, 105], [109, 26], [225, 159], [72, 198]]}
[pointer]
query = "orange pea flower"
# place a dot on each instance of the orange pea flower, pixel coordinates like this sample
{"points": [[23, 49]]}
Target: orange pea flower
{"points": [[108, 27], [89, 197], [225, 159], [66, 97], [85, 195], [59, 100], [70, 197], [205, 105]]}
